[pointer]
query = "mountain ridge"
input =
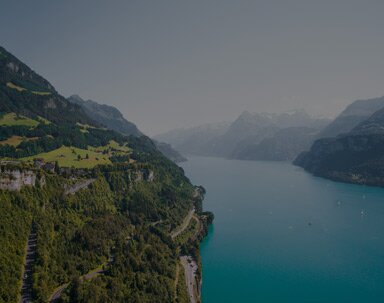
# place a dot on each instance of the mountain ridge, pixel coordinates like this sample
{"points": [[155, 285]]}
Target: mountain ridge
{"points": [[112, 118], [355, 156]]}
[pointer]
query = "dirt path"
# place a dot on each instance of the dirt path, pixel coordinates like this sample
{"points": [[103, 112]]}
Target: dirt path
{"points": [[26, 286], [190, 268], [184, 225]]}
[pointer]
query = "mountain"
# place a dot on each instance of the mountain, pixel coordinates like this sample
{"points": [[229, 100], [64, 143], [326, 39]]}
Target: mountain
{"points": [[373, 125], [284, 145], [354, 114], [87, 214], [196, 140], [353, 157], [106, 115], [250, 136], [112, 118], [256, 126], [25, 92]]}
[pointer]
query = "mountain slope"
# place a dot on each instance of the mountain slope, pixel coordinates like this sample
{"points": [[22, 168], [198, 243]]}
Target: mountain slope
{"points": [[354, 157], [25, 92], [354, 114], [168, 151], [100, 206], [256, 126], [106, 115], [112, 118], [373, 125]]}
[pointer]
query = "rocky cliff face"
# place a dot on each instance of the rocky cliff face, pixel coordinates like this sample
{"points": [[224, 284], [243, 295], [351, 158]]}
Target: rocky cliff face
{"points": [[15, 179], [143, 175]]}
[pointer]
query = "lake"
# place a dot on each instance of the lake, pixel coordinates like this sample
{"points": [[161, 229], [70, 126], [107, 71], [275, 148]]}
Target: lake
{"points": [[283, 235]]}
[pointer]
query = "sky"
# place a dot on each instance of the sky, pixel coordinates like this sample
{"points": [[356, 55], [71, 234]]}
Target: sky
{"points": [[170, 64]]}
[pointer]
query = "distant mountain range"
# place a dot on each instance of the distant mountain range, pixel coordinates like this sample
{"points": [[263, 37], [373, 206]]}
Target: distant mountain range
{"points": [[112, 118], [255, 136], [196, 140], [355, 153]]}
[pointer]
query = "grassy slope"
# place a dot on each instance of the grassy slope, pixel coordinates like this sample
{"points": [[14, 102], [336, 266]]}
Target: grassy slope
{"points": [[11, 119], [68, 157]]}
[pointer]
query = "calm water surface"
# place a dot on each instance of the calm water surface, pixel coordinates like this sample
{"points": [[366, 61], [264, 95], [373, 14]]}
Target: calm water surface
{"points": [[282, 235]]}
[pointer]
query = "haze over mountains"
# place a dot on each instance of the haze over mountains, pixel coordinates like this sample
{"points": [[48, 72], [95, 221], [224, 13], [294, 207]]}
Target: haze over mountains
{"points": [[350, 148], [196, 140], [256, 136]]}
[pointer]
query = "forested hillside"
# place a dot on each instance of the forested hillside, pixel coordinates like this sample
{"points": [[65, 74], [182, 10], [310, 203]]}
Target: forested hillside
{"points": [[101, 206]]}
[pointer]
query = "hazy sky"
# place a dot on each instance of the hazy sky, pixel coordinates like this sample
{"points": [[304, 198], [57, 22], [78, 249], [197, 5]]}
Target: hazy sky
{"points": [[167, 64]]}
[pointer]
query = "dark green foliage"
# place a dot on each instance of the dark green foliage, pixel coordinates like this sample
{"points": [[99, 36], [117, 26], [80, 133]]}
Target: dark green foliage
{"points": [[78, 233], [120, 222], [14, 229], [51, 137], [355, 158], [143, 270]]}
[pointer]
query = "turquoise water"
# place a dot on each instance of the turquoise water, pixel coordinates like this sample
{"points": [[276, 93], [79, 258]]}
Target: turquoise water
{"points": [[282, 235]]}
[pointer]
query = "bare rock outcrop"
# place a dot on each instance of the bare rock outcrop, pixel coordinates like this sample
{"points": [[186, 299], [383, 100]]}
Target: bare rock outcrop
{"points": [[15, 179]]}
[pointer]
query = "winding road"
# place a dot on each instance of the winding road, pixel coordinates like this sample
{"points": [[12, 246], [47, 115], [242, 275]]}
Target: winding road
{"points": [[184, 225]]}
